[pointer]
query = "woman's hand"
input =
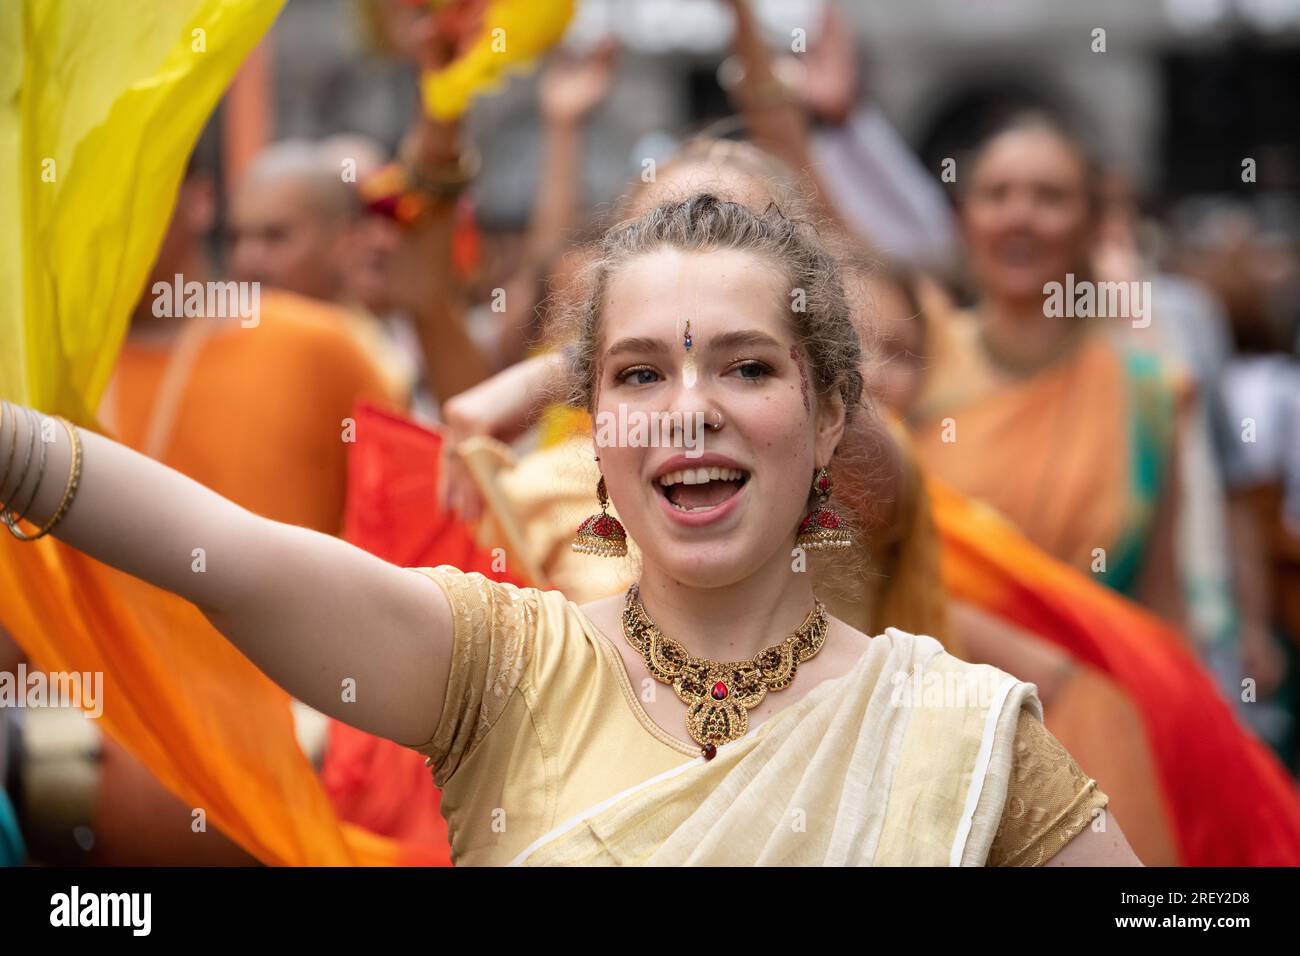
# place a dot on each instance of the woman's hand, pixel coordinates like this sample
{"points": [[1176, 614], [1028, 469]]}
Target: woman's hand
{"points": [[457, 491], [430, 145], [502, 407], [573, 85], [830, 76]]}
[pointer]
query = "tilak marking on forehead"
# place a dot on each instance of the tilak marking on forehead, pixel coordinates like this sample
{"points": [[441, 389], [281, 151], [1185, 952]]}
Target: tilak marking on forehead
{"points": [[689, 371]]}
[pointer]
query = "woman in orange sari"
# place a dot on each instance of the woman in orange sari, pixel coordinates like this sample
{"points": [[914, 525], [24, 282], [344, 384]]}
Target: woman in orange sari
{"points": [[1029, 404], [1087, 710]]}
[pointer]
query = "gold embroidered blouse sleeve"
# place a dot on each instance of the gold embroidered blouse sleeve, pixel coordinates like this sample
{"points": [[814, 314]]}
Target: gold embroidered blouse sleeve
{"points": [[493, 643], [1050, 800]]}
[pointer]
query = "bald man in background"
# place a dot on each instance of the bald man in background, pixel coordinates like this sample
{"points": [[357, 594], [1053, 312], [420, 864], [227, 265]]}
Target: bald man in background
{"points": [[292, 216], [297, 225], [255, 407]]}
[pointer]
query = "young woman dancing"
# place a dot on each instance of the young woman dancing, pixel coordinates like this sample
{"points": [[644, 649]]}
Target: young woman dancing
{"points": [[788, 737]]}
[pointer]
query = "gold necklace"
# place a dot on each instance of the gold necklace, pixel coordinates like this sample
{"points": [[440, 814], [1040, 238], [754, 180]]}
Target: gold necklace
{"points": [[719, 694], [1016, 368]]}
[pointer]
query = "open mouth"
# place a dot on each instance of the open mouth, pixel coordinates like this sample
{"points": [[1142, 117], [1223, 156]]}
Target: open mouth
{"points": [[1019, 250], [700, 489]]}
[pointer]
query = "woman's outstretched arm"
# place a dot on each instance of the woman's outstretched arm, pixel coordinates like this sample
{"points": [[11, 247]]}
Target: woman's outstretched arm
{"points": [[310, 610]]}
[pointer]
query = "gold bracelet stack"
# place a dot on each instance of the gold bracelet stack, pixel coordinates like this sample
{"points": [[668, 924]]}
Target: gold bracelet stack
{"points": [[11, 518], [406, 194], [32, 442], [13, 444], [448, 182], [27, 462]]}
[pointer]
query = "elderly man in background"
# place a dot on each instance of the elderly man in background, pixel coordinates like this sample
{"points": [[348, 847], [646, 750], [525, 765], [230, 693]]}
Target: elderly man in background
{"points": [[297, 225]]}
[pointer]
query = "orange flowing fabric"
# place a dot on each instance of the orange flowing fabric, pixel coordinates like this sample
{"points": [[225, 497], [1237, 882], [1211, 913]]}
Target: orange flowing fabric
{"points": [[1231, 802], [207, 723], [178, 696], [102, 104]]}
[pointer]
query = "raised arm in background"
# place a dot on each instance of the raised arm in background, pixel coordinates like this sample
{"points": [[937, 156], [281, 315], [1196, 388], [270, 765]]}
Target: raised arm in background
{"points": [[425, 283], [776, 119], [865, 175], [572, 85]]}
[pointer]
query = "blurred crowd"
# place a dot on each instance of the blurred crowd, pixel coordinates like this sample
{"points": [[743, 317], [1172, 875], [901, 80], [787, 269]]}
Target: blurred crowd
{"points": [[1156, 448]]}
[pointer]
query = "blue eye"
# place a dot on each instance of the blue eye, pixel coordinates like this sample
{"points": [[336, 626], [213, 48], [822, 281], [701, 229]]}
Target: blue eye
{"points": [[634, 375], [753, 371]]}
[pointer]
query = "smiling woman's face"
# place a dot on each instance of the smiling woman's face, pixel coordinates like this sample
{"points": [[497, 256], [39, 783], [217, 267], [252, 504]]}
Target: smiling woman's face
{"points": [[1026, 218], [747, 369]]}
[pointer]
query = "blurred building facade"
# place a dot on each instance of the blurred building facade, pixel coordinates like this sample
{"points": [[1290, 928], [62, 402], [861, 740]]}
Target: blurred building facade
{"points": [[1174, 92]]}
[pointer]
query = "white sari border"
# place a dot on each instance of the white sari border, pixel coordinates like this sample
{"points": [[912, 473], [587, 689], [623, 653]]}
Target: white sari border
{"points": [[980, 771]]}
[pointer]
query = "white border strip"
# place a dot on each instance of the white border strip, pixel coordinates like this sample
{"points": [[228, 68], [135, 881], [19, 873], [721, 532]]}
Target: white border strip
{"points": [[597, 808], [978, 774]]}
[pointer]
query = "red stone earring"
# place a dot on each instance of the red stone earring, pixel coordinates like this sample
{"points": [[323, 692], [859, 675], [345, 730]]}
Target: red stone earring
{"points": [[820, 529], [601, 534]]}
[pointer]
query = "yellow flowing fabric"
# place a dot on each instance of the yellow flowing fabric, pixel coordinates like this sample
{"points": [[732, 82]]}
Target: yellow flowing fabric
{"points": [[515, 32], [100, 106]]}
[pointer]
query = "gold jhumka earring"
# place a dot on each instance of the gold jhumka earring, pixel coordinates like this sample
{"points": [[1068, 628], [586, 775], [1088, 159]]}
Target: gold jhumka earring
{"points": [[601, 534], [820, 529]]}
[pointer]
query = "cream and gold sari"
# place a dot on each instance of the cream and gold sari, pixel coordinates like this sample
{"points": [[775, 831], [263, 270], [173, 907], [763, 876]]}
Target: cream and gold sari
{"points": [[861, 771], [912, 758], [547, 756]]}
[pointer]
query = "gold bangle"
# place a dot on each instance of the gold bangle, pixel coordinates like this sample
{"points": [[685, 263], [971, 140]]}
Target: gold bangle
{"points": [[13, 517], [69, 491], [13, 444], [27, 463]]}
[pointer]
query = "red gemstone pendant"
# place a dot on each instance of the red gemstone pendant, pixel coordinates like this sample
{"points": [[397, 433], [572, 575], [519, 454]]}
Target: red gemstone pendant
{"points": [[719, 691]]}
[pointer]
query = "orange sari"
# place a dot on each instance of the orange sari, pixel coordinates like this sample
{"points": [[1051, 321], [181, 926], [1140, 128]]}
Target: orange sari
{"points": [[1230, 802], [1076, 456]]}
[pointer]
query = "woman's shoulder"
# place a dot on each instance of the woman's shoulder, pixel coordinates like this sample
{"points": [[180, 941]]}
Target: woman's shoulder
{"points": [[541, 626], [1050, 799], [508, 639], [934, 656], [473, 595], [919, 648]]}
